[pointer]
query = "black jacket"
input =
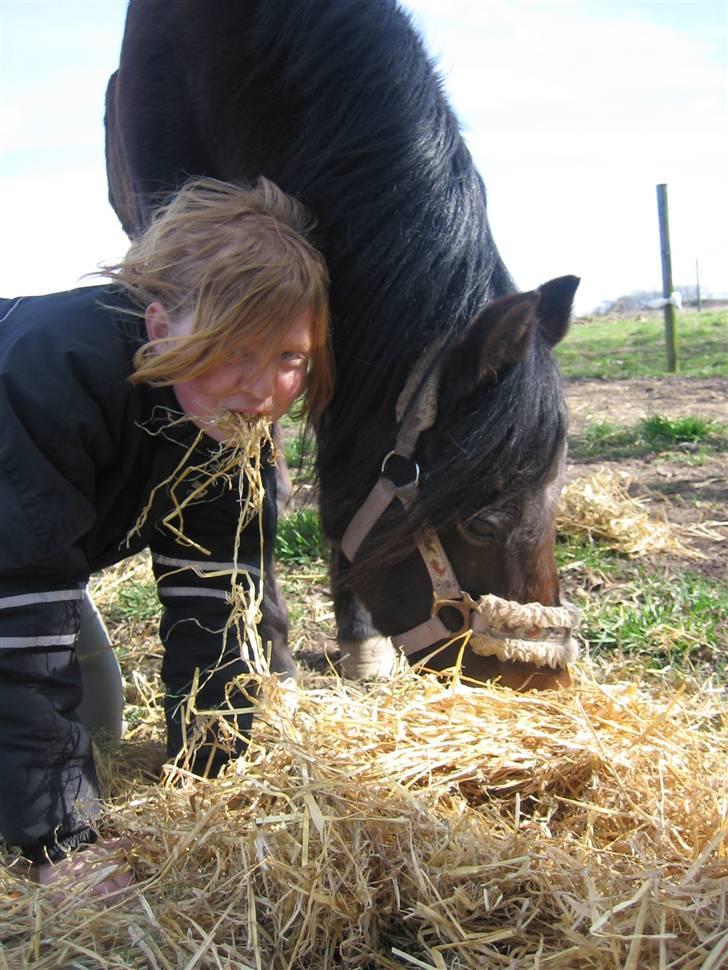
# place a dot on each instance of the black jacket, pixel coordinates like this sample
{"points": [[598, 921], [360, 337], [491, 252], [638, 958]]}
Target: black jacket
{"points": [[80, 450]]}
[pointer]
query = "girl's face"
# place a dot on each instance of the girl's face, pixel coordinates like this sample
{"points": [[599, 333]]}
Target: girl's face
{"points": [[262, 381]]}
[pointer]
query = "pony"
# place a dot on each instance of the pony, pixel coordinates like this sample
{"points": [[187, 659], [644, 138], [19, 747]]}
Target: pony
{"points": [[441, 455]]}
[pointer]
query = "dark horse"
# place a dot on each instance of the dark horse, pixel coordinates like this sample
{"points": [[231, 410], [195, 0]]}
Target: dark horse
{"points": [[337, 102]]}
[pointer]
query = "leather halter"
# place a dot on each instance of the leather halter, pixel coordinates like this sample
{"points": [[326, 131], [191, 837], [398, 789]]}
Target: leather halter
{"points": [[495, 626]]}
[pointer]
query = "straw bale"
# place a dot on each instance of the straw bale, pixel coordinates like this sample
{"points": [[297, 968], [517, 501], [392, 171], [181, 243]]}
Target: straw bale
{"points": [[420, 823], [600, 507]]}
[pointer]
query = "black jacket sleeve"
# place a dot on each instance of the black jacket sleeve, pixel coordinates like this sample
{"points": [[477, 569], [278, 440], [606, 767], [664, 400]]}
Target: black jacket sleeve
{"points": [[53, 438]]}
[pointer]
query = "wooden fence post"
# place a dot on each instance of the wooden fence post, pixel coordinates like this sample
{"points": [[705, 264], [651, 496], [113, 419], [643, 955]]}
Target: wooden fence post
{"points": [[697, 286], [667, 278]]}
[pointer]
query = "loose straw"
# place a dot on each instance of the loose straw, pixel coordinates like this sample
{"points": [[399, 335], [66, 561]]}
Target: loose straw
{"points": [[412, 822], [599, 507]]}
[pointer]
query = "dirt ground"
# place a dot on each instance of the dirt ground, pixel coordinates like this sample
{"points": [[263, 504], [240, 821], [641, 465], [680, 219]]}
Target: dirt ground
{"points": [[626, 401], [680, 486]]}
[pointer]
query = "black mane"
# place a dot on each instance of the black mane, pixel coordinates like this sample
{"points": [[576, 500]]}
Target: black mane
{"points": [[401, 207]]}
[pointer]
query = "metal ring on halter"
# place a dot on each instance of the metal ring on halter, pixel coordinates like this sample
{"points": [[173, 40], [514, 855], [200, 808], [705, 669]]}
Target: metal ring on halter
{"points": [[416, 480], [464, 606]]}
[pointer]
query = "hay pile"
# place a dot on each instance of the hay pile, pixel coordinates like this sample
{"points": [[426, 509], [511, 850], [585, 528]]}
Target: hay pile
{"points": [[416, 824], [600, 507]]}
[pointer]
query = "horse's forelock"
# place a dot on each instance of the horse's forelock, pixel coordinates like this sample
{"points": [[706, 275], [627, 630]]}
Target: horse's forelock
{"points": [[508, 444]]}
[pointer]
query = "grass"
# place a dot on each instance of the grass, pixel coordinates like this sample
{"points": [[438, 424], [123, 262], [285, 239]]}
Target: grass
{"points": [[651, 436], [299, 452], [664, 621], [299, 537], [575, 555], [660, 431], [635, 347], [299, 449], [305, 586], [678, 621], [136, 602]]}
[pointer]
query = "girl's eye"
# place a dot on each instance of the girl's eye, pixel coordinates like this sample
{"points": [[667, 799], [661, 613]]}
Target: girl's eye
{"points": [[294, 358]]}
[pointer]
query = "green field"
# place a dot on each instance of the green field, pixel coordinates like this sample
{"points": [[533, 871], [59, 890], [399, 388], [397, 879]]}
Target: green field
{"points": [[685, 440], [612, 348]]}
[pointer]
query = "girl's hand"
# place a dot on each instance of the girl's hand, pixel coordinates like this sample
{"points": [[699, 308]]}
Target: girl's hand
{"points": [[101, 869]]}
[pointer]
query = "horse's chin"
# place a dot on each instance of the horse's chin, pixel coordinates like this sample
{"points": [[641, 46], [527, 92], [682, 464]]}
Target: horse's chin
{"points": [[477, 669], [521, 676]]}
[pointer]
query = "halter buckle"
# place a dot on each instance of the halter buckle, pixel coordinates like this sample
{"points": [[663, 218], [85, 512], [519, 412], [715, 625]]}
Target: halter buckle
{"points": [[464, 605]]}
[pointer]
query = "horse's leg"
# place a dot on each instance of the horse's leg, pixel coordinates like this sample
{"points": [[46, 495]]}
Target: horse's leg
{"points": [[284, 486], [364, 651], [273, 628]]}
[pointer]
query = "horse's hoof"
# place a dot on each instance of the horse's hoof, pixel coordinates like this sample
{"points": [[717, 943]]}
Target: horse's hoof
{"points": [[373, 657]]}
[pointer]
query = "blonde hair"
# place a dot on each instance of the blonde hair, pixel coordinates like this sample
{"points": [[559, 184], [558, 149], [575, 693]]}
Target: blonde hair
{"points": [[240, 259]]}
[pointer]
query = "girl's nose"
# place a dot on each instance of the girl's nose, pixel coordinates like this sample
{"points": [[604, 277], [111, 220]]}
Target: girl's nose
{"points": [[260, 384]]}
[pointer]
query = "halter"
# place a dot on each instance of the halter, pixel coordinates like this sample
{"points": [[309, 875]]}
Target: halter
{"points": [[511, 631]]}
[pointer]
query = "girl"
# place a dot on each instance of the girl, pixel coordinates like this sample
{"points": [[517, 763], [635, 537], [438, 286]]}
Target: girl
{"points": [[220, 307]]}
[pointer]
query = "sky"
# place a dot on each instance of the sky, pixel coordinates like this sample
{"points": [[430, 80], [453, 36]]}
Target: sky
{"points": [[574, 110]]}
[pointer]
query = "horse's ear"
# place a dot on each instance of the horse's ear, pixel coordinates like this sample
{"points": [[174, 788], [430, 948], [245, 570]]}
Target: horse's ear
{"points": [[500, 335], [554, 307], [497, 337]]}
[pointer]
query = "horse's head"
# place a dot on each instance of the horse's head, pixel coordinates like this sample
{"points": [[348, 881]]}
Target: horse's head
{"points": [[459, 530]]}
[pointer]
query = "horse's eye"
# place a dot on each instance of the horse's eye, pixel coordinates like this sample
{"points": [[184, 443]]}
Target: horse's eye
{"points": [[482, 527]]}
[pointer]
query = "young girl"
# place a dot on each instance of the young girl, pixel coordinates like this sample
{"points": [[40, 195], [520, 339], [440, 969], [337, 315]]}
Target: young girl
{"points": [[219, 307]]}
